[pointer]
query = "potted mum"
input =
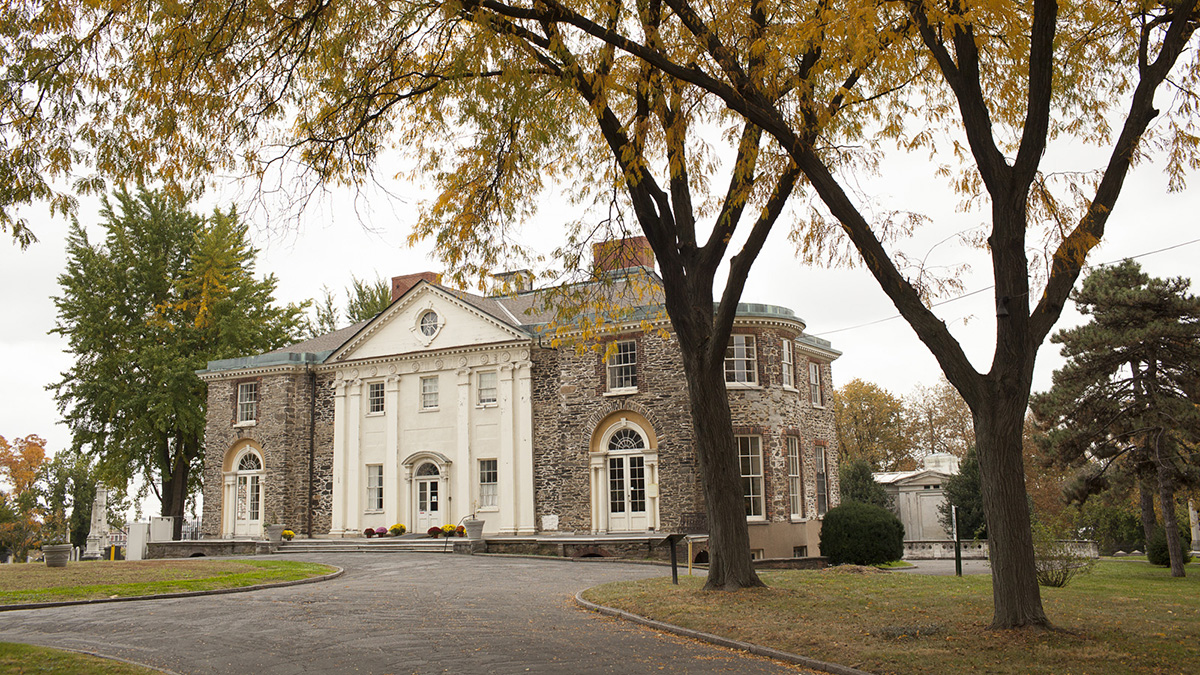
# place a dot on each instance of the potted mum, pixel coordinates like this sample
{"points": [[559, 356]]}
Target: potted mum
{"points": [[287, 535], [397, 529]]}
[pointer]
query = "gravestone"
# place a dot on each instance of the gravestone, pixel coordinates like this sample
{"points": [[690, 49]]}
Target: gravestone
{"points": [[97, 539]]}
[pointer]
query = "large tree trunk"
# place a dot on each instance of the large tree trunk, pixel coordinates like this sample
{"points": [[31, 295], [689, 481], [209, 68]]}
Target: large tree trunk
{"points": [[1015, 593], [1146, 492], [1166, 491], [175, 490], [730, 565]]}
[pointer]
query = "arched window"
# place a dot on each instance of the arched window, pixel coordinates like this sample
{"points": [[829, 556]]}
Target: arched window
{"points": [[249, 462], [626, 439], [428, 469]]}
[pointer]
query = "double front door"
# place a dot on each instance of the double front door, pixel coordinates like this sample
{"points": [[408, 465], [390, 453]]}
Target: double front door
{"points": [[429, 498], [627, 493]]}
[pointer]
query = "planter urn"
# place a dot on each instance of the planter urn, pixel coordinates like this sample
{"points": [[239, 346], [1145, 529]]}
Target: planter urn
{"points": [[275, 533], [56, 555], [474, 528]]}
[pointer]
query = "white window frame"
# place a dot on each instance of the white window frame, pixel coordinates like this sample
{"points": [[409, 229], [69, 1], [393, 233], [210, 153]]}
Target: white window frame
{"points": [[376, 398], [795, 478], [489, 484], [814, 385], [750, 463], [741, 360], [482, 398], [429, 392], [247, 404], [788, 365], [621, 368], [374, 487], [822, 479]]}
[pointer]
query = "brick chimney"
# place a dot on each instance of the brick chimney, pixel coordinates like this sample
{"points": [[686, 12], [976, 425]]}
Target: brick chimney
{"points": [[619, 254], [402, 283]]}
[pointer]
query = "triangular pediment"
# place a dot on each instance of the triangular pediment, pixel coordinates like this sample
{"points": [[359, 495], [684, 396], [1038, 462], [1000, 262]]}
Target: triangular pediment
{"points": [[426, 318]]}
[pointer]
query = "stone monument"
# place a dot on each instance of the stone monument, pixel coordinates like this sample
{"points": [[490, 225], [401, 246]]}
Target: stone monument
{"points": [[97, 539]]}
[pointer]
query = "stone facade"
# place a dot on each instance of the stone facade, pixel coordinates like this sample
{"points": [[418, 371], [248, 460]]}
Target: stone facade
{"points": [[558, 420]]}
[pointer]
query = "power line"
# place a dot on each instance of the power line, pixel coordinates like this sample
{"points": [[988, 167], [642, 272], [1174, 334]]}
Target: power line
{"points": [[988, 288]]}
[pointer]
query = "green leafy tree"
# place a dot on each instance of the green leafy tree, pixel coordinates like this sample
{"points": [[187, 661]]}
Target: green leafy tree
{"points": [[870, 426], [166, 292], [499, 100], [367, 299], [857, 484], [965, 492], [1124, 402], [68, 491]]}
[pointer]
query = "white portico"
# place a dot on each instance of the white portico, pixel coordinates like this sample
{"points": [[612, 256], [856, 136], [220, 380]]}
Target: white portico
{"points": [[432, 419]]}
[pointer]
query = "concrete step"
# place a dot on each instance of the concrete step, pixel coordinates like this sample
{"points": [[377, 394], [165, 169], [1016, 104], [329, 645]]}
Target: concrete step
{"points": [[368, 546]]}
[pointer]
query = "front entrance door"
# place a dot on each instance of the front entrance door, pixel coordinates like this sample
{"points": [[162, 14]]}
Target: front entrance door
{"points": [[248, 497], [429, 497], [627, 493]]}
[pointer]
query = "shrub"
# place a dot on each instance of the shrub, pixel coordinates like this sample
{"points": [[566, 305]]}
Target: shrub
{"points": [[861, 534], [1158, 553], [1057, 561]]}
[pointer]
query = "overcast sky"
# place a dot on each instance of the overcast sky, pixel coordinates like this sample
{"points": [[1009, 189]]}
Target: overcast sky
{"points": [[365, 235]]}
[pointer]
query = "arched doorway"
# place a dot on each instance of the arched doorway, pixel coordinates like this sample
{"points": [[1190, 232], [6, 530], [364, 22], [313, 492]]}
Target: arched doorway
{"points": [[624, 475], [429, 496], [427, 477], [244, 473]]}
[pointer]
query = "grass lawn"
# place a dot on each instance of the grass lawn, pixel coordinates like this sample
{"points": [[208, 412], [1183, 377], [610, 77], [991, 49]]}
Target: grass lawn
{"points": [[86, 580], [1123, 618], [20, 659]]}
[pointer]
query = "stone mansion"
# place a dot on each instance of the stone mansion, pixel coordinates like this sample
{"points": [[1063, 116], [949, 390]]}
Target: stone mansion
{"points": [[449, 403]]}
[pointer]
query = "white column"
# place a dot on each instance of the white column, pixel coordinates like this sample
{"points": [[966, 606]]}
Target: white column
{"points": [[464, 464], [338, 517], [353, 465], [598, 490], [229, 507], [523, 452], [392, 505], [509, 498]]}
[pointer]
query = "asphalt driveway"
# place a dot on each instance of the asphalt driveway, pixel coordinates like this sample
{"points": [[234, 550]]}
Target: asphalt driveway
{"points": [[390, 613]]}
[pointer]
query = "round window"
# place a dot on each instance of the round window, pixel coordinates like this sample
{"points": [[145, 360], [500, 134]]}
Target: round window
{"points": [[429, 323]]}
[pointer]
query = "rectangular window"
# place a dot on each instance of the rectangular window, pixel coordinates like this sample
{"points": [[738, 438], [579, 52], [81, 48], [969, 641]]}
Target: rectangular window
{"points": [[822, 483], [814, 385], [374, 487], [489, 479], [429, 393], [741, 360], [622, 366], [788, 368], [487, 387], [247, 406], [795, 483], [375, 397], [750, 458]]}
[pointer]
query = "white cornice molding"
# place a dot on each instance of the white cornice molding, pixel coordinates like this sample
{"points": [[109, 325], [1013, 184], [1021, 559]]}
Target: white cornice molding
{"points": [[515, 351], [816, 352], [217, 375]]}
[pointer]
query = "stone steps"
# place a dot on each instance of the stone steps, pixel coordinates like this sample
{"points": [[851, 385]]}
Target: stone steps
{"points": [[369, 546]]}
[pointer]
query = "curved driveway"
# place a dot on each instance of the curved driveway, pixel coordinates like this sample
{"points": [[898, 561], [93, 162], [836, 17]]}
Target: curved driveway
{"points": [[390, 613]]}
